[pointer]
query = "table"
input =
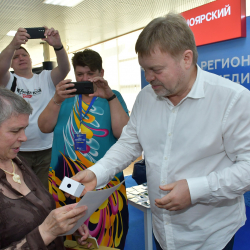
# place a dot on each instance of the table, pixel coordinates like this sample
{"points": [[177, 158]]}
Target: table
{"points": [[138, 197]]}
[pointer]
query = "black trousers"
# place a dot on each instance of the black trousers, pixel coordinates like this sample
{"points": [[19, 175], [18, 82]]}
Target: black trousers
{"points": [[229, 246]]}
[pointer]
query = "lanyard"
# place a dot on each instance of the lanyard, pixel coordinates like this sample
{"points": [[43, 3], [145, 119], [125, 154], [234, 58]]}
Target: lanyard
{"points": [[86, 112]]}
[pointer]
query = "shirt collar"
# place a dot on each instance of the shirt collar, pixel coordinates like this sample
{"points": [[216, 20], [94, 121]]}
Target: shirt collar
{"points": [[197, 90]]}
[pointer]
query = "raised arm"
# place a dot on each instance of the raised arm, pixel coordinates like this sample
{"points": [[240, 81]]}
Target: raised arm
{"points": [[61, 71], [21, 37], [119, 118], [48, 118]]}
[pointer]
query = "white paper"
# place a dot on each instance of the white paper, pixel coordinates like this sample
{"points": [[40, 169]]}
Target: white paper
{"points": [[93, 200]]}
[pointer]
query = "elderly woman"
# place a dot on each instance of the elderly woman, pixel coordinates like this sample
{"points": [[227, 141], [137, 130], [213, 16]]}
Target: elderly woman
{"points": [[27, 218]]}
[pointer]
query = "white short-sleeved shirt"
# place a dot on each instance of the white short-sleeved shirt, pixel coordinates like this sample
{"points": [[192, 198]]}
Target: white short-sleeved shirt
{"points": [[38, 91]]}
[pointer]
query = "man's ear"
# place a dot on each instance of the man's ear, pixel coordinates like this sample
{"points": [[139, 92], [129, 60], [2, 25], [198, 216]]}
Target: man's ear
{"points": [[102, 72], [188, 58]]}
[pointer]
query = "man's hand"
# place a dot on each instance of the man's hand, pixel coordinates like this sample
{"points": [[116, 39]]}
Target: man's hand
{"points": [[87, 178], [61, 91], [52, 37], [178, 198], [21, 37], [101, 88]]}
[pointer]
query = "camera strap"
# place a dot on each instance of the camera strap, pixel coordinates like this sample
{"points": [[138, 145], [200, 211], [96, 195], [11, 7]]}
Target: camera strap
{"points": [[13, 87], [86, 112], [80, 139]]}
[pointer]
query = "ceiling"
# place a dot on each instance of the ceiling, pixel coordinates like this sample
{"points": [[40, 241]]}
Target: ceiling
{"points": [[88, 23]]}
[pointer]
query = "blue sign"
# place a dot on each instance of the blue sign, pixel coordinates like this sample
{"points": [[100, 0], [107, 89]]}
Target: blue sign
{"points": [[229, 59]]}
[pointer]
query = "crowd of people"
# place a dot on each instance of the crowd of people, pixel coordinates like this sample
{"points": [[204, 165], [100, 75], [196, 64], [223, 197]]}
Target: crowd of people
{"points": [[193, 126]]}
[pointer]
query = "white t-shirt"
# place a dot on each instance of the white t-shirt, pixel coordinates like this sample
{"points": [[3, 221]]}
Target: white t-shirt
{"points": [[38, 91]]}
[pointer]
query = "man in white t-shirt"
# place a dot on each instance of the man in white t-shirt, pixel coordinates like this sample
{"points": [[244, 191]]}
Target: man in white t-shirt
{"points": [[37, 90]]}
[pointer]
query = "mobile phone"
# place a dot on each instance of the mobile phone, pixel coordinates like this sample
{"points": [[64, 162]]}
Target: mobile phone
{"points": [[85, 87], [36, 33]]}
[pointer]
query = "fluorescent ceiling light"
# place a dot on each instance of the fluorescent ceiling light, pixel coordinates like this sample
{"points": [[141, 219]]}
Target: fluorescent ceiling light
{"points": [[68, 3], [11, 33]]}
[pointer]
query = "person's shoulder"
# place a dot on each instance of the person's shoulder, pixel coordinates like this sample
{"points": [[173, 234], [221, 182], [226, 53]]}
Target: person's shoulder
{"points": [[222, 84], [147, 89], [147, 92], [117, 93], [45, 72]]}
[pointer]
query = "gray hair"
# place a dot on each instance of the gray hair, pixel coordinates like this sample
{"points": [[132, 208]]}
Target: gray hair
{"points": [[171, 33], [12, 104]]}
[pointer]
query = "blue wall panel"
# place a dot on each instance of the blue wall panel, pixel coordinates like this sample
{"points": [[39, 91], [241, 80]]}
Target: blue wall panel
{"points": [[234, 54]]}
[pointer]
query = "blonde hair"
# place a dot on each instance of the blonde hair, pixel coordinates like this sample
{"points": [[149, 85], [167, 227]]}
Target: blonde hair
{"points": [[171, 33]]}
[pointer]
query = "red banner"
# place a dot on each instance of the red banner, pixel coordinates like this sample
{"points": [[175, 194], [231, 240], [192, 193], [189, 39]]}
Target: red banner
{"points": [[27, 96], [217, 21]]}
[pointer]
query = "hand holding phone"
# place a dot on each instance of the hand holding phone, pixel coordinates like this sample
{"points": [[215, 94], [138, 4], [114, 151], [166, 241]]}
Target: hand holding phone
{"points": [[36, 33], [85, 87]]}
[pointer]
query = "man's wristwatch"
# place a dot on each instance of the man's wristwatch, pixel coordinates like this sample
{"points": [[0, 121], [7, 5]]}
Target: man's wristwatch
{"points": [[111, 98]]}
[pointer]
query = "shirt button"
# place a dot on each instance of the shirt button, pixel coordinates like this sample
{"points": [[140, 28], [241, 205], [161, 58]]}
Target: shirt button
{"points": [[162, 182], [166, 158], [173, 111], [169, 134]]}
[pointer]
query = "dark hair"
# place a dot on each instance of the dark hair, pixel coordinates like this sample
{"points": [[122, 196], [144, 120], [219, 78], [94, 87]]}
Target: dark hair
{"points": [[87, 57], [171, 33], [21, 47], [12, 104]]}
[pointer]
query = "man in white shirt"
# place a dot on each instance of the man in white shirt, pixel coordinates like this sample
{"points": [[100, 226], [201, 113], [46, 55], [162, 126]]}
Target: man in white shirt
{"points": [[194, 128], [37, 90]]}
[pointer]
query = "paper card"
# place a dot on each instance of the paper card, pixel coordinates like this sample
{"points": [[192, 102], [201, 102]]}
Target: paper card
{"points": [[70, 244], [144, 194], [129, 189], [135, 200], [89, 240], [145, 204], [73, 245], [93, 200], [130, 196], [140, 189], [134, 192], [93, 241]]}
